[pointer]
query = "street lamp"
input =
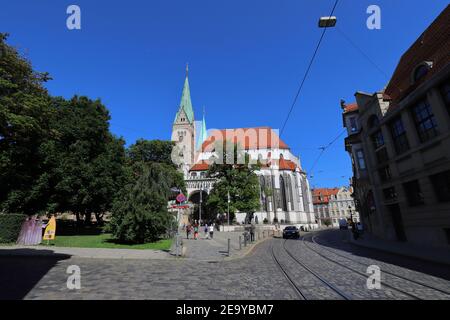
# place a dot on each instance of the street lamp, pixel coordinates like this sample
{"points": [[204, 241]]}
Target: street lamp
{"points": [[327, 22], [229, 200]]}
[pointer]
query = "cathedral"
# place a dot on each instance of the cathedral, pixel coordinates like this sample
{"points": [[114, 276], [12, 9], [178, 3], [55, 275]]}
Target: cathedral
{"points": [[285, 195]]}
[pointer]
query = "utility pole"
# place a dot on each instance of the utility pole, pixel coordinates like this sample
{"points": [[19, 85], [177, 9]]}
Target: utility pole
{"points": [[229, 207], [200, 209]]}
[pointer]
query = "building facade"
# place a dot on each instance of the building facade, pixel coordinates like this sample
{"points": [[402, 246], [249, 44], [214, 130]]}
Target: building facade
{"points": [[334, 204], [285, 194], [399, 143]]}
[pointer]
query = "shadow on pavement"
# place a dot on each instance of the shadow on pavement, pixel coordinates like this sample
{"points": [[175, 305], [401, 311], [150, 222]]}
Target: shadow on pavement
{"points": [[332, 239], [21, 269]]}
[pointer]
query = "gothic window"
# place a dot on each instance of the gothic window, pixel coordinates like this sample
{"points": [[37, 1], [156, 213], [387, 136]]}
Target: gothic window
{"points": [[262, 184], [291, 192], [283, 194]]}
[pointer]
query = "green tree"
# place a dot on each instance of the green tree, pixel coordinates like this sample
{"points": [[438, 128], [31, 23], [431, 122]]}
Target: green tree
{"points": [[140, 212], [156, 151], [24, 128], [151, 151], [235, 176], [88, 161]]}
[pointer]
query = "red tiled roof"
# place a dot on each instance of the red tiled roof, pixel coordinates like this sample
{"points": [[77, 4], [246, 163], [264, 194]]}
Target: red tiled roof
{"points": [[433, 46], [286, 165], [322, 195], [250, 138], [200, 166]]}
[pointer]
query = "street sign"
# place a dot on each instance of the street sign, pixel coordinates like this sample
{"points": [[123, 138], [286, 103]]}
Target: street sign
{"points": [[181, 198]]}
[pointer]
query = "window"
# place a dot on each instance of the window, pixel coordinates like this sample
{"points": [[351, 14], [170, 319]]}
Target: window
{"points": [[420, 72], [413, 193], [425, 121], [441, 185], [398, 132], [360, 159], [377, 140], [390, 193], [385, 174], [353, 125]]}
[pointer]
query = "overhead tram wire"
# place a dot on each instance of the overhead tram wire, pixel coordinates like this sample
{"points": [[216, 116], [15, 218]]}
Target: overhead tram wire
{"points": [[324, 149], [307, 71]]}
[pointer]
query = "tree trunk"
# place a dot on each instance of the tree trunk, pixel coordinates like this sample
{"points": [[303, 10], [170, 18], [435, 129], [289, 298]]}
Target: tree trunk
{"points": [[99, 218], [87, 218]]}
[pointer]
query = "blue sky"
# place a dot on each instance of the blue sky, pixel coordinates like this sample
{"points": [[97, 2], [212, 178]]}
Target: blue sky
{"points": [[246, 61]]}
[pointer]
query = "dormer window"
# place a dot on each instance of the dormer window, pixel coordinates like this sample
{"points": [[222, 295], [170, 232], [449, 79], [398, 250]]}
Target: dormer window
{"points": [[421, 71]]}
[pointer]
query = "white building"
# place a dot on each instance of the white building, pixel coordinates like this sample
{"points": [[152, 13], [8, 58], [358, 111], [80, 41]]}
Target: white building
{"points": [[284, 194]]}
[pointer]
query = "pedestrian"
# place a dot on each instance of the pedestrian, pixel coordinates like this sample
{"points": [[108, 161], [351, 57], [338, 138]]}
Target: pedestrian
{"points": [[252, 232], [188, 231], [196, 232], [206, 231], [211, 231]]}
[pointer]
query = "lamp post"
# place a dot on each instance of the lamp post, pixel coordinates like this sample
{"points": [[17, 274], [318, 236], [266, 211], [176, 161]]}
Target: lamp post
{"points": [[228, 215], [200, 209]]}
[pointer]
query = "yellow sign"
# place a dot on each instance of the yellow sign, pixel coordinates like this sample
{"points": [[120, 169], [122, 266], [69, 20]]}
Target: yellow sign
{"points": [[50, 230]]}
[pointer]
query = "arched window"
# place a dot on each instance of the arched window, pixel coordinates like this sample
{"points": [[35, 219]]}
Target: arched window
{"points": [[421, 71], [262, 184], [283, 194], [291, 193]]}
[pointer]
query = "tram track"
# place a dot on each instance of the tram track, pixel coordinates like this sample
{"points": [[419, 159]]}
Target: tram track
{"points": [[384, 271], [311, 271], [408, 294]]}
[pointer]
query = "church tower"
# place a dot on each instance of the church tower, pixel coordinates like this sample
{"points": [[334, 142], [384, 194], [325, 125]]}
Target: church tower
{"points": [[183, 130]]}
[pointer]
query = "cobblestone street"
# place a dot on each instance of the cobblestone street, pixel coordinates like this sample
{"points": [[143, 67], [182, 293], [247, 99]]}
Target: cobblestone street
{"points": [[338, 272]]}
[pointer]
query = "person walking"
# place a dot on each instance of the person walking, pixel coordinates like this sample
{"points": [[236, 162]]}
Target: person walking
{"points": [[252, 232], [211, 231], [196, 232], [188, 231], [206, 231]]}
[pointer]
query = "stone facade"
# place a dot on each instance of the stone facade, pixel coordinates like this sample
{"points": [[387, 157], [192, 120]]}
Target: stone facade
{"points": [[399, 143]]}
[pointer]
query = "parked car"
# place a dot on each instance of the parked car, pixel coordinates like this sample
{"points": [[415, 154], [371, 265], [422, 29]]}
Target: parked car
{"points": [[291, 232]]}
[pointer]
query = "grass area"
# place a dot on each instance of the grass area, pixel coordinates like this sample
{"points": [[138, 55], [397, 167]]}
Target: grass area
{"points": [[104, 240]]}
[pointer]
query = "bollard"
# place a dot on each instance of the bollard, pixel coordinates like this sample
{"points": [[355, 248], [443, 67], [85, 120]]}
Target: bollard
{"points": [[240, 242], [259, 235], [245, 241], [176, 246], [229, 245]]}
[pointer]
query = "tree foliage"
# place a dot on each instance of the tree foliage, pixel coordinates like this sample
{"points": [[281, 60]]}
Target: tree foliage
{"points": [[235, 176], [140, 212]]}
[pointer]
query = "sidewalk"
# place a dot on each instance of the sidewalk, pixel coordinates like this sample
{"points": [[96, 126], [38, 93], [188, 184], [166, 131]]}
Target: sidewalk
{"points": [[437, 255], [216, 249], [98, 253]]}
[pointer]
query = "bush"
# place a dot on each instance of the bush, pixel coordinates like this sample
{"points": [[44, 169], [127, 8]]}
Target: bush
{"points": [[10, 225], [327, 222], [275, 220], [265, 221]]}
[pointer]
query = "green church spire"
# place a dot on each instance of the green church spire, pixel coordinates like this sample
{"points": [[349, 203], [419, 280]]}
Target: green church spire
{"points": [[203, 133], [185, 103]]}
